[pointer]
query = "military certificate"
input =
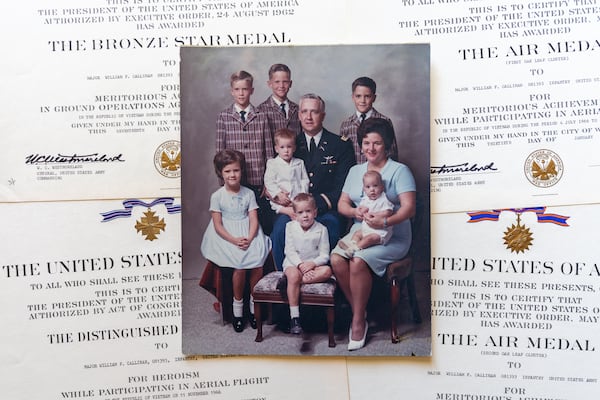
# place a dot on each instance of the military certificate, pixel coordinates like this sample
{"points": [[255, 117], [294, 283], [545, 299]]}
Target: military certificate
{"points": [[506, 324], [91, 108], [93, 311], [89, 111], [514, 97]]}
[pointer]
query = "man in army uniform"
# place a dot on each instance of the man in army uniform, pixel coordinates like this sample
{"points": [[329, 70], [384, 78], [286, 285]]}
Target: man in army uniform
{"points": [[327, 158]]}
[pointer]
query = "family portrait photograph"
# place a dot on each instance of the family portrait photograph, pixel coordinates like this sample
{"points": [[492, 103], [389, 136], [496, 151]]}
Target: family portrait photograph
{"points": [[305, 200]]}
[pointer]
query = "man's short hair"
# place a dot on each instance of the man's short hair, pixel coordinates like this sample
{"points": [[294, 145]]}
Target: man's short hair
{"points": [[313, 96], [365, 81], [279, 68], [300, 197], [283, 133], [241, 76]]}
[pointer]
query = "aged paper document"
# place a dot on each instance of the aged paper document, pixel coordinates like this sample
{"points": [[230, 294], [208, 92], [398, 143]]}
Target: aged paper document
{"points": [[92, 311], [506, 325], [89, 111]]}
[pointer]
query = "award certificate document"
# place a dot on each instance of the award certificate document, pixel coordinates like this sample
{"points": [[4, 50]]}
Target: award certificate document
{"points": [[92, 310], [89, 111], [505, 324], [514, 275], [514, 97], [90, 105]]}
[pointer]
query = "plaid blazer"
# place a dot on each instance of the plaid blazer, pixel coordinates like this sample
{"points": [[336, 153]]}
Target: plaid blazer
{"points": [[253, 138], [349, 130], [277, 119]]}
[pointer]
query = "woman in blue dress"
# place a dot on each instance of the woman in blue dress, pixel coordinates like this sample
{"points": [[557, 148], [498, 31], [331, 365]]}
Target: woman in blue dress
{"points": [[233, 237], [354, 275]]}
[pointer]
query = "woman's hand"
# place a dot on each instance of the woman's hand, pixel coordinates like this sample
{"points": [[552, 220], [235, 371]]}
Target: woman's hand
{"points": [[374, 221], [359, 214]]}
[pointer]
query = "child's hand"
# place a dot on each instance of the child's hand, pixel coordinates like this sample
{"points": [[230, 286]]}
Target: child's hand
{"points": [[283, 198], [309, 276], [242, 243], [306, 266]]}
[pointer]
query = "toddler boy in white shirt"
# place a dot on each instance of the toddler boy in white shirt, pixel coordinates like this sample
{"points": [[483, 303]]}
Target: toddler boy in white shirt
{"points": [[306, 254], [285, 175]]}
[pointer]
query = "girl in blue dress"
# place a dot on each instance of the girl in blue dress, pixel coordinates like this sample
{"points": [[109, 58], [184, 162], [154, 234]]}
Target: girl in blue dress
{"points": [[233, 237]]}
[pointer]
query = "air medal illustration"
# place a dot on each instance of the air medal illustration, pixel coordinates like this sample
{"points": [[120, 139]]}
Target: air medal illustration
{"points": [[518, 238]]}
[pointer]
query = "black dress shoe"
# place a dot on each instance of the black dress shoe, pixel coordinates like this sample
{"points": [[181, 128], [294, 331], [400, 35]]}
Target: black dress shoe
{"points": [[238, 324], [295, 327], [252, 321]]}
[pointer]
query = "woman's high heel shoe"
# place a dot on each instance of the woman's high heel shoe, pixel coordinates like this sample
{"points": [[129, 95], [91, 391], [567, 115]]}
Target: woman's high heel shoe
{"points": [[357, 344]]}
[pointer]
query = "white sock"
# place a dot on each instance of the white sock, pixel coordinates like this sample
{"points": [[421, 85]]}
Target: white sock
{"points": [[251, 305], [295, 311], [238, 308]]}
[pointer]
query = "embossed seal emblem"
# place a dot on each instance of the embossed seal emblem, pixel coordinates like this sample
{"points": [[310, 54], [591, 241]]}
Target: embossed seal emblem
{"points": [[543, 168], [167, 159]]}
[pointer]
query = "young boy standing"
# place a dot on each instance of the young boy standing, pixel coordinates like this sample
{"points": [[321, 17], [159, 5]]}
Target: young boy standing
{"points": [[280, 111], [306, 254], [241, 127], [285, 175], [363, 95]]}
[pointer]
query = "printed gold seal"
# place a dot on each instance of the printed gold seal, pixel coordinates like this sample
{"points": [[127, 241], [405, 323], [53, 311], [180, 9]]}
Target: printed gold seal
{"points": [[518, 237], [167, 159], [543, 168]]}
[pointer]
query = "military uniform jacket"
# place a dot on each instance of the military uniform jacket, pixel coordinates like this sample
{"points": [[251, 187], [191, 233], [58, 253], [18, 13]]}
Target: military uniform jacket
{"points": [[327, 169]]}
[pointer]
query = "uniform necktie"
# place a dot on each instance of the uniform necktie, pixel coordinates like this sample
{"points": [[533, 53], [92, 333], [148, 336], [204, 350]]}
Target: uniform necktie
{"points": [[313, 146], [243, 115]]}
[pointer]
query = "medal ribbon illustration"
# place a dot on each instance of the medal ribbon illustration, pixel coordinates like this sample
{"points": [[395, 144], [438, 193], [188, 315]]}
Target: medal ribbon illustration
{"points": [[518, 238]]}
